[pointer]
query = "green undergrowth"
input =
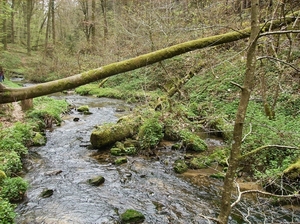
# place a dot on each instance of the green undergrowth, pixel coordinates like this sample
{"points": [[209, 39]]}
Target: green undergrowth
{"points": [[14, 143], [131, 96]]}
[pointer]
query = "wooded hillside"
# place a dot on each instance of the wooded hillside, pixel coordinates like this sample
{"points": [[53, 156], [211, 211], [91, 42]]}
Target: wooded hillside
{"points": [[156, 44]]}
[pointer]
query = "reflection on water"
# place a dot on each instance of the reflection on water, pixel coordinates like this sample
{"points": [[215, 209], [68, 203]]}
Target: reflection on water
{"points": [[147, 185]]}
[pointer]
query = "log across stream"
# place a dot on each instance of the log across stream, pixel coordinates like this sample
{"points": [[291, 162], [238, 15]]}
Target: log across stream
{"points": [[150, 186]]}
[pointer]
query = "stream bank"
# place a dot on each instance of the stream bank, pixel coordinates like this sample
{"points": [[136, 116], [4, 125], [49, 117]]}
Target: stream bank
{"points": [[148, 185]]}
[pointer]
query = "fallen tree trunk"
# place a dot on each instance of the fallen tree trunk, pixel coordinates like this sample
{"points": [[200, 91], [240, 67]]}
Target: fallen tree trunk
{"points": [[8, 95]]}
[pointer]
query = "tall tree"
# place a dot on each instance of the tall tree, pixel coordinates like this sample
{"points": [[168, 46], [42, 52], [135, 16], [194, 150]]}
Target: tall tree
{"points": [[240, 115], [4, 23], [52, 4], [105, 25], [29, 10], [12, 21]]}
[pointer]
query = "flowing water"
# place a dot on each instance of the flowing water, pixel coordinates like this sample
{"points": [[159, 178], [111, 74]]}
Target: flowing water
{"points": [[150, 186]]}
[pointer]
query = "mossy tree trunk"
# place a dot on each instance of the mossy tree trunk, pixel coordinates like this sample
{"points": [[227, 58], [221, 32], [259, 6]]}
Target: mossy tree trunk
{"points": [[240, 115], [8, 95]]}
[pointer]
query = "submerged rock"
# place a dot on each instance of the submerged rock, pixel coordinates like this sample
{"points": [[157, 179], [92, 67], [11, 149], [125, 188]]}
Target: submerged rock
{"points": [[120, 161], [83, 109], [96, 181], [132, 216], [180, 166], [47, 193]]}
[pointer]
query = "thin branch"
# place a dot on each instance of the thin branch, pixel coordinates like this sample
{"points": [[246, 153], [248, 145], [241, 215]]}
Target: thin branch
{"points": [[236, 84], [283, 62], [278, 32], [240, 193], [270, 194], [266, 146], [250, 131]]}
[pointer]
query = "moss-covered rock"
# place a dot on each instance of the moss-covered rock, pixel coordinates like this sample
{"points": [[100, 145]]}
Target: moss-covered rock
{"points": [[192, 141], [46, 193], [107, 135], [221, 125], [199, 163], [2, 176], [180, 166], [132, 216], [121, 160], [293, 171], [96, 181], [83, 109], [39, 139]]}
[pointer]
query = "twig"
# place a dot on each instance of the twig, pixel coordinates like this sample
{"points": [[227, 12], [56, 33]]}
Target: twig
{"points": [[236, 84], [267, 146], [279, 32], [240, 193], [250, 131], [276, 59]]}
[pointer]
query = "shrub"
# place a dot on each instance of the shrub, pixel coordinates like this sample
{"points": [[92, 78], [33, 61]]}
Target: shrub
{"points": [[150, 133], [7, 213], [13, 189], [10, 162]]}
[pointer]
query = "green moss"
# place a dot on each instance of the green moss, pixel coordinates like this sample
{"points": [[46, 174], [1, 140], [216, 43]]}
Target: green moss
{"points": [[150, 133], [180, 166], [293, 171], [199, 163], [120, 161], [192, 141], [83, 108], [39, 139], [132, 216], [2, 176]]}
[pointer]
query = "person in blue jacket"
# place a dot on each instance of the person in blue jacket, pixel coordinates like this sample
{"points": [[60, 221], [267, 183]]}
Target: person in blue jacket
{"points": [[1, 74]]}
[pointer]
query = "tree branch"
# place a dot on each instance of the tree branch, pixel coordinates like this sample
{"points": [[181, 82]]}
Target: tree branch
{"points": [[264, 147], [240, 193], [276, 59], [278, 32]]}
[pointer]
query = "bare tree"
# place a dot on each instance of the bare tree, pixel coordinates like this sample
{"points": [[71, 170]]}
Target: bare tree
{"points": [[240, 115]]}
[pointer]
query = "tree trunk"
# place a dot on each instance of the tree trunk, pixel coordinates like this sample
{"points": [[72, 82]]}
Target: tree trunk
{"points": [[47, 29], [105, 26], [53, 22], [93, 22], [4, 26], [240, 115], [28, 21], [12, 21], [15, 94]]}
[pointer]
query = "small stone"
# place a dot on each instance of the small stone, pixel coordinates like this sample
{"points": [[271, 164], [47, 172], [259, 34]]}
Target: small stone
{"points": [[132, 216], [47, 193], [84, 108], [120, 161], [96, 181]]}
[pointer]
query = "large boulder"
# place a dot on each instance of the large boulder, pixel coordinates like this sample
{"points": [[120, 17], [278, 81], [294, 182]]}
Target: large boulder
{"points": [[106, 135]]}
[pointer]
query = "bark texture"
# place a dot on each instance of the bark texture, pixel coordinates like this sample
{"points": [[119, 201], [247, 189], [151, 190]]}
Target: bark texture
{"points": [[240, 116], [8, 95]]}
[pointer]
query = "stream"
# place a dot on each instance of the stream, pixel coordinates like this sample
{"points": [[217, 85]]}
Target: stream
{"points": [[148, 185]]}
